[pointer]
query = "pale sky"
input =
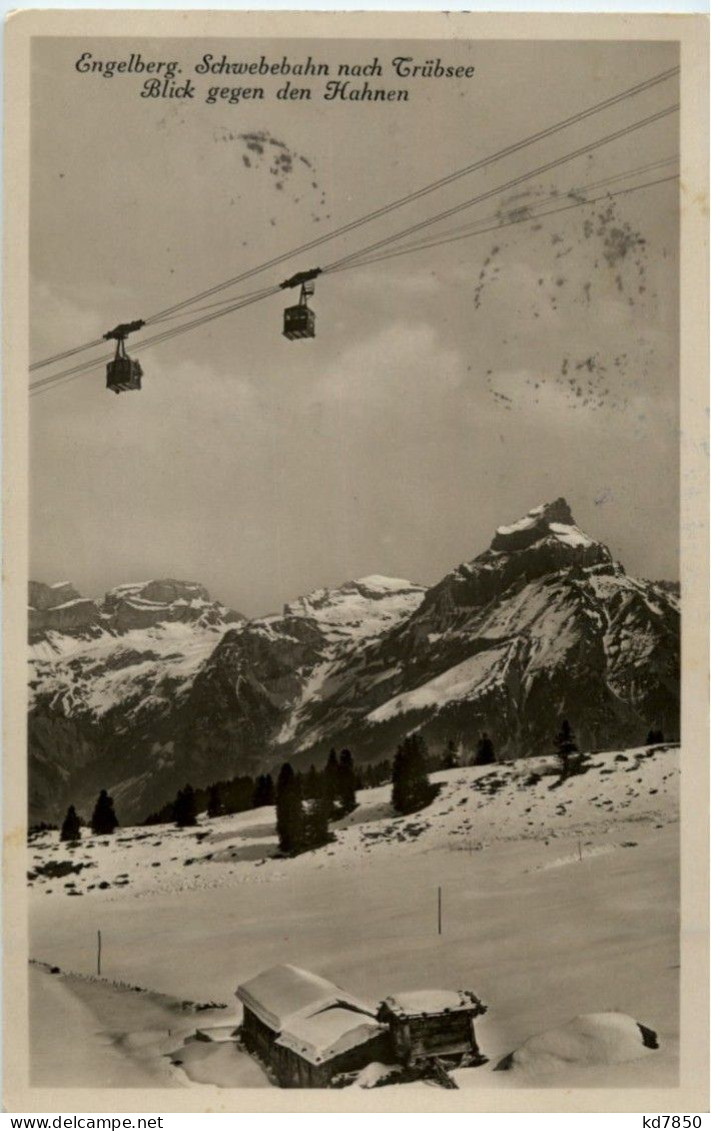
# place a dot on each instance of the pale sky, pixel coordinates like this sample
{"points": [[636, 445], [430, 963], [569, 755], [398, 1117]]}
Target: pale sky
{"points": [[446, 392]]}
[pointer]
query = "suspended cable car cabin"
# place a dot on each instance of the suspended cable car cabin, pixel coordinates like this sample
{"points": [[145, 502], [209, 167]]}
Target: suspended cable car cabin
{"points": [[124, 373], [300, 320]]}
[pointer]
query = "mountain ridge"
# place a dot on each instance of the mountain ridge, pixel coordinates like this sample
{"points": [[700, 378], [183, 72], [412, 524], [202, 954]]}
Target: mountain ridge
{"points": [[542, 623]]}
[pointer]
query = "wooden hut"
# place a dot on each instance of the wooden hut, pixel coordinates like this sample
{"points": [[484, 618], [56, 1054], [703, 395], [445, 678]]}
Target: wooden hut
{"points": [[306, 1029], [314, 1048], [432, 1023]]}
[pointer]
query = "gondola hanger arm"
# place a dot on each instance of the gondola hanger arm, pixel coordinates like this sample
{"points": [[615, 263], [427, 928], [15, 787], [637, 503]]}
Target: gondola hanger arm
{"points": [[300, 278], [123, 330]]}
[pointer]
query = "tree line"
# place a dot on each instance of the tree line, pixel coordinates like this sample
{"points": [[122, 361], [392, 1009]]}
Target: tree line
{"points": [[307, 802], [103, 819]]}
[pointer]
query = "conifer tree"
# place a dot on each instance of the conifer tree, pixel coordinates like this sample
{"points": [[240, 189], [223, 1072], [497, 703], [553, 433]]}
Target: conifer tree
{"points": [[330, 783], [411, 784], [263, 791], [449, 758], [71, 827], [315, 823], [346, 782], [484, 751], [399, 791], [184, 808], [311, 785], [565, 746], [215, 807], [104, 819], [289, 811]]}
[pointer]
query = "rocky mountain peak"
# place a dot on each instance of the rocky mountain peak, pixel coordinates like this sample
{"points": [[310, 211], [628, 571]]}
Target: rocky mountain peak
{"points": [[156, 684], [41, 596], [544, 541], [147, 603], [363, 607], [135, 605], [542, 521]]}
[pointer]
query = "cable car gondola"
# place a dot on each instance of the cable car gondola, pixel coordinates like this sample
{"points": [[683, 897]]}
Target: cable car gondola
{"points": [[123, 374], [300, 320]]}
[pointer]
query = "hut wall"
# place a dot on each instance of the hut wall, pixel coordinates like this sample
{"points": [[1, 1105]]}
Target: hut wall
{"points": [[257, 1036], [293, 1071], [415, 1037]]}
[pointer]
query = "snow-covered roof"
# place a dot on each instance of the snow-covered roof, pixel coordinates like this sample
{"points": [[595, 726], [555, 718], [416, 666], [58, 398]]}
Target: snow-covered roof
{"points": [[277, 995], [327, 1033], [424, 1002]]}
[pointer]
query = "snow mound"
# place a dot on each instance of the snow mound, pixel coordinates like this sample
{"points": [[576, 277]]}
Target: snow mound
{"points": [[220, 1065], [376, 1073], [591, 1038]]}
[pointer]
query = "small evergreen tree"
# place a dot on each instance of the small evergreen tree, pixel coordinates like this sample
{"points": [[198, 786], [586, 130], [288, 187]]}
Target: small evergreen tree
{"points": [[346, 783], [104, 819], [399, 792], [184, 808], [263, 791], [377, 774], [330, 783], [71, 828], [565, 746], [411, 784], [484, 751], [449, 758], [289, 811], [215, 808], [311, 783], [315, 824]]}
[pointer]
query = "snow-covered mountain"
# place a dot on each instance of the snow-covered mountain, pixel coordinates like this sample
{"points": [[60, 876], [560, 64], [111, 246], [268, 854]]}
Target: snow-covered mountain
{"points": [[158, 685], [98, 666], [120, 687]]}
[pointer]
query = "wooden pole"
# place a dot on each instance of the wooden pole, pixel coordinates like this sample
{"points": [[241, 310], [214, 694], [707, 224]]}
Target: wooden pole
{"points": [[580, 850], [439, 911], [98, 953]]}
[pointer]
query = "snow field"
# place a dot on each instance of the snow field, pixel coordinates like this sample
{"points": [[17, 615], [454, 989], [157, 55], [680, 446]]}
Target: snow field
{"points": [[540, 944]]}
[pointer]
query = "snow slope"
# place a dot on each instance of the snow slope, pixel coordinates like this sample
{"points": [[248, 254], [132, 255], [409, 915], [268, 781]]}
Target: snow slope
{"points": [[558, 900]]}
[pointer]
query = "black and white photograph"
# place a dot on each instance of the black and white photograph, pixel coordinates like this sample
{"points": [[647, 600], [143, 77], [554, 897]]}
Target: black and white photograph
{"points": [[355, 563]]}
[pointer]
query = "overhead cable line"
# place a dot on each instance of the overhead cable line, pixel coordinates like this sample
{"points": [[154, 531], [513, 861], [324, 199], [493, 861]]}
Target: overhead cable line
{"points": [[442, 182], [375, 214], [258, 296], [67, 353], [457, 208], [439, 242], [554, 194], [165, 335]]}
